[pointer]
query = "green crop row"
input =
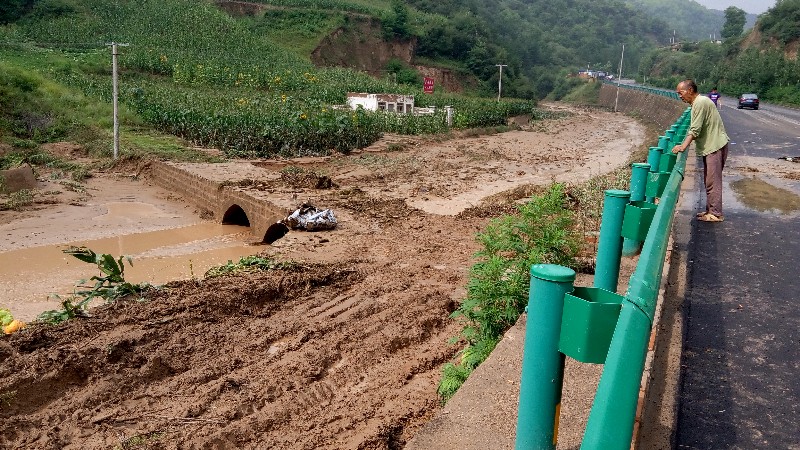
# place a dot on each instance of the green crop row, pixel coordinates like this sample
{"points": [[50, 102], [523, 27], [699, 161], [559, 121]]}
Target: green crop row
{"points": [[360, 7], [193, 71]]}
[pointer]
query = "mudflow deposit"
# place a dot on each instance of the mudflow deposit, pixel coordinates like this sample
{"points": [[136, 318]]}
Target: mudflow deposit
{"points": [[342, 350]]}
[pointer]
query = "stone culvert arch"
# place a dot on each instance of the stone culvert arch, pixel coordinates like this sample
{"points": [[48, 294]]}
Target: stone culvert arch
{"points": [[205, 186]]}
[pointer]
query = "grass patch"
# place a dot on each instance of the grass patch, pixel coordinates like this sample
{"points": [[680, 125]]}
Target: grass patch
{"points": [[146, 440], [143, 143], [247, 264], [18, 200], [584, 94], [297, 30], [7, 397]]}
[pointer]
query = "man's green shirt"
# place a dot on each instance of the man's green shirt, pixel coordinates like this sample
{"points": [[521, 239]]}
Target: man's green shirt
{"points": [[706, 126]]}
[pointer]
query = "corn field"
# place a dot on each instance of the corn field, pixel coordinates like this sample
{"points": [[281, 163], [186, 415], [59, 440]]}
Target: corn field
{"points": [[193, 71]]}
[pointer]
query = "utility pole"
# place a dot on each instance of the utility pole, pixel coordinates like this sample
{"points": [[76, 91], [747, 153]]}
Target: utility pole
{"points": [[622, 58], [115, 93], [500, 81]]}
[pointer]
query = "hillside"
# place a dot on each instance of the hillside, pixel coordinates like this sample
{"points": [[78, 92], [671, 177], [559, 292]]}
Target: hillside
{"points": [[763, 61], [538, 39], [689, 20], [458, 40]]}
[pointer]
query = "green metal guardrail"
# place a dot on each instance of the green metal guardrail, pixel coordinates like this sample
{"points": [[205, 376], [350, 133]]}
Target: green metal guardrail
{"points": [[595, 324], [647, 89]]}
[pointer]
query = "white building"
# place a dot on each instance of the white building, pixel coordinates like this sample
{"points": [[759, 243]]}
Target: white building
{"points": [[387, 102]]}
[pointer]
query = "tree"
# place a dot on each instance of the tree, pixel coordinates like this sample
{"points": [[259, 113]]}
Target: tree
{"points": [[735, 19], [395, 24], [11, 10]]}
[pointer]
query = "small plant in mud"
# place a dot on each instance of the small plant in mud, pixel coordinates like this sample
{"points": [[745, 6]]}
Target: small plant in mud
{"points": [[6, 398], [18, 200], [139, 441], [247, 264], [497, 291], [305, 178], [395, 147], [71, 308], [110, 285]]}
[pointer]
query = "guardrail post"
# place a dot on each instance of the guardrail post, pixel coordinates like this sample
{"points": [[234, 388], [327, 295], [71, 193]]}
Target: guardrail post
{"points": [[609, 246], [638, 184], [542, 363], [670, 139], [653, 158], [663, 144]]}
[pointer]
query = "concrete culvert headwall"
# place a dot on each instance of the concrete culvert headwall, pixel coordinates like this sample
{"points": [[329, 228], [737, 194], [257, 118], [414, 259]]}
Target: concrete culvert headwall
{"points": [[208, 186]]}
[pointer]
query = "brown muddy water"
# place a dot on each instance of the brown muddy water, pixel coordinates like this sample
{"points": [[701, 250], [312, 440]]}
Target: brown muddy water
{"points": [[759, 195], [30, 276]]}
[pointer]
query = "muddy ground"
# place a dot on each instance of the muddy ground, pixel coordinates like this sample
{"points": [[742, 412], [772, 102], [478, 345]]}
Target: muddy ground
{"points": [[342, 349]]}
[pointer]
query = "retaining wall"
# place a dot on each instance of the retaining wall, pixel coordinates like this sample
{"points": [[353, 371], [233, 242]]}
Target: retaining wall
{"points": [[655, 109]]}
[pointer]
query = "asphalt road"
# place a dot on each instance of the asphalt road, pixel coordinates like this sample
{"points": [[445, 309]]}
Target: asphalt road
{"points": [[740, 384]]}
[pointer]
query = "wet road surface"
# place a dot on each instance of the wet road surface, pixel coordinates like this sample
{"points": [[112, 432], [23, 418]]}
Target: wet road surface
{"points": [[741, 359]]}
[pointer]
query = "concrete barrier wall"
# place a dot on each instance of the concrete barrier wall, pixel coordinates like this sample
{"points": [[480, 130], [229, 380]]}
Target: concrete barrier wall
{"points": [[654, 109]]}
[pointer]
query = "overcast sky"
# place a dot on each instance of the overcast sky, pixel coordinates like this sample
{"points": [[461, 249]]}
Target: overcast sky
{"points": [[751, 6]]}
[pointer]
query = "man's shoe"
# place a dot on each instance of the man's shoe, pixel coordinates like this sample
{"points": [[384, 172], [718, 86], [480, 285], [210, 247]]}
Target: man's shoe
{"points": [[708, 217]]}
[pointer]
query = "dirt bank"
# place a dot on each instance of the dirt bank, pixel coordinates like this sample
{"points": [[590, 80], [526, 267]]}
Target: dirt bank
{"points": [[342, 350]]}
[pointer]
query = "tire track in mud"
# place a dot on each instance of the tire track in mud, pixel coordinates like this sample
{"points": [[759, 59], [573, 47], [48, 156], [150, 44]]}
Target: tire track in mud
{"points": [[258, 371]]}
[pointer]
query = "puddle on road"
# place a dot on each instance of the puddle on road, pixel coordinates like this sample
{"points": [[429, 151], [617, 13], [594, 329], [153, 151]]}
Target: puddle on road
{"points": [[29, 276], [762, 196]]}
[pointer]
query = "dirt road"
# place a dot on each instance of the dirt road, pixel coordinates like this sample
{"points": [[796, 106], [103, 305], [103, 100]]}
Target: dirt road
{"points": [[342, 350]]}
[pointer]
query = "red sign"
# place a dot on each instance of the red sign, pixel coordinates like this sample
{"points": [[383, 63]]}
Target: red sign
{"points": [[427, 85]]}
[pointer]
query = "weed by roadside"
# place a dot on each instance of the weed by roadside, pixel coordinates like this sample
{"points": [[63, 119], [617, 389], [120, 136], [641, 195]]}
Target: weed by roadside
{"points": [[551, 228], [543, 231]]}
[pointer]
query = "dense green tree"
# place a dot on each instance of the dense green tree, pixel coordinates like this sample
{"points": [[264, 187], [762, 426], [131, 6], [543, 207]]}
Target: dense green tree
{"points": [[12, 10], [735, 19], [782, 21], [395, 24]]}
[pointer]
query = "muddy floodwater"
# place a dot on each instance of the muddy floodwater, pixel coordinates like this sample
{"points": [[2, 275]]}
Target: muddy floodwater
{"points": [[30, 276], [759, 195], [164, 237]]}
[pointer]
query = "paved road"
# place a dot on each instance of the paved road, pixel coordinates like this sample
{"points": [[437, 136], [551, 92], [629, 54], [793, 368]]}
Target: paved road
{"points": [[741, 360]]}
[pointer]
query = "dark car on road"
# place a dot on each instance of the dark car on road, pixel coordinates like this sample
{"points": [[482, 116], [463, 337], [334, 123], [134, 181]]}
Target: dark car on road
{"points": [[748, 101]]}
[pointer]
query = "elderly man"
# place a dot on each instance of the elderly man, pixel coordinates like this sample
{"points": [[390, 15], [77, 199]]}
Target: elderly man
{"points": [[711, 142]]}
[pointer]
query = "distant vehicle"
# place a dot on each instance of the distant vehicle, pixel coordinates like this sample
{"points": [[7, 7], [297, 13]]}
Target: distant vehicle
{"points": [[748, 101]]}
